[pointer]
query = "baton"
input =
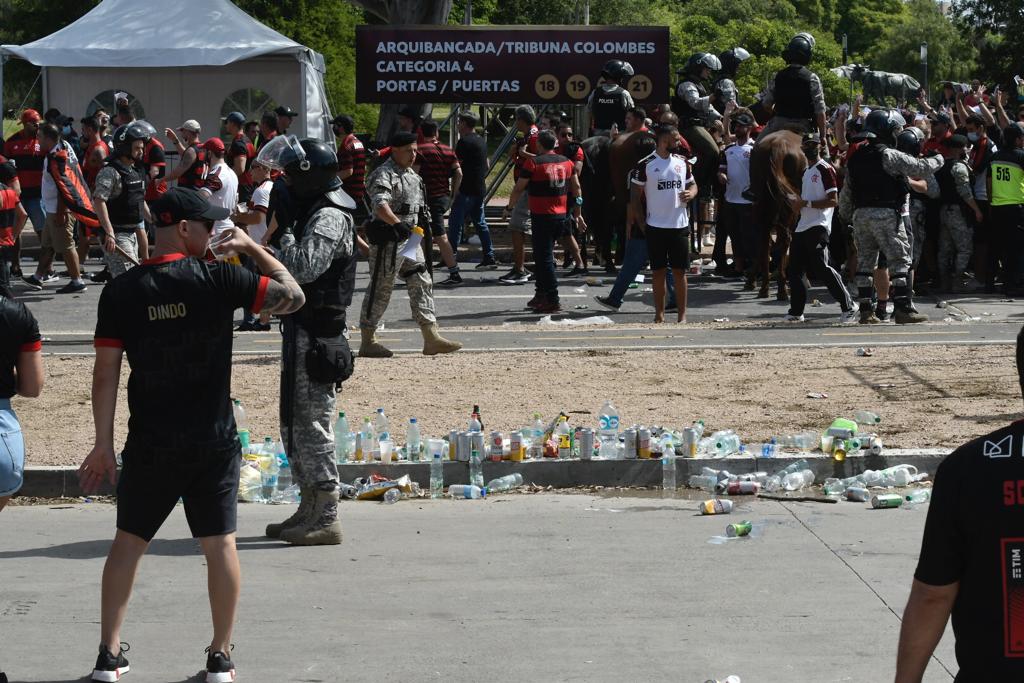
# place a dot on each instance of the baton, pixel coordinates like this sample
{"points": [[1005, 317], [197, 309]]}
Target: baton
{"points": [[130, 257]]}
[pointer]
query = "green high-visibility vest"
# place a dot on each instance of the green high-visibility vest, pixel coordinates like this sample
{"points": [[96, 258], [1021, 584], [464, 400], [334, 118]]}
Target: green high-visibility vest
{"points": [[1007, 180]]}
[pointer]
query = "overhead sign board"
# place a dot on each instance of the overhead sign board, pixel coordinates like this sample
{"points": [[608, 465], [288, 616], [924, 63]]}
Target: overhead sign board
{"points": [[505, 64]]}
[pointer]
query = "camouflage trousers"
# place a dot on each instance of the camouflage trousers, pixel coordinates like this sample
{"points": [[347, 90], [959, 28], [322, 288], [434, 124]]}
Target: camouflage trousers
{"points": [[918, 221], [384, 267], [116, 262], [307, 415], [956, 240], [880, 230]]}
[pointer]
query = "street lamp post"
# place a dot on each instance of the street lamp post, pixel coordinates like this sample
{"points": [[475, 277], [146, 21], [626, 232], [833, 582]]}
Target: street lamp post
{"points": [[924, 64]]}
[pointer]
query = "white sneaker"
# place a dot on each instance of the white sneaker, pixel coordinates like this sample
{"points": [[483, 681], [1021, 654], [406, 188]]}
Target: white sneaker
{"points": [[850, 317], [790, 318]]}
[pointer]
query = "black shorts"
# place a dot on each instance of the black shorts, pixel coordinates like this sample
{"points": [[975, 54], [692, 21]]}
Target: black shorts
{"points": [[152, 481], [668, 247], [438, 206]]}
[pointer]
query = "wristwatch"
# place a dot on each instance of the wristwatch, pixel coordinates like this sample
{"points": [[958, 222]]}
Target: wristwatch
{"points": [[579, 201]]}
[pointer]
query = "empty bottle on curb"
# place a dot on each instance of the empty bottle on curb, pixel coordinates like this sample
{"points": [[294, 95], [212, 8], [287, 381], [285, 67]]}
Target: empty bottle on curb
{"points": [[506, 483], [866, 417], [412, 440], [562, 438], [367, 440], [700, 481], [341, 453], [475, 423], [918, 496], [795, 481], [608, 429], [380, 426], [715, 506], [269, 469], [436, 476], [774, 482], [241, 423], [466, 491], [536, 435], [284, 477], [668, 465], [858, 494], [476, 468]]}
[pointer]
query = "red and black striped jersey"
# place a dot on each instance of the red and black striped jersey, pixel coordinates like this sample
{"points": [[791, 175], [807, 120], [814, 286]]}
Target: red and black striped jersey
{"points": [[436, 161], [195, 176], [28, 157], [548, 174], [241, 147], [352, 154]]}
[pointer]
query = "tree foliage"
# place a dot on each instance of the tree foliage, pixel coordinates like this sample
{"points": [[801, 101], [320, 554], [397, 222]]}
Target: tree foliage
{"points": [[996, 27], [949, 54]]}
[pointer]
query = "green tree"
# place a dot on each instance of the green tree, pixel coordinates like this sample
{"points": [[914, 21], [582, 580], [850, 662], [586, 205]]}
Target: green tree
{"points": [[865, 21], [996, 27]]}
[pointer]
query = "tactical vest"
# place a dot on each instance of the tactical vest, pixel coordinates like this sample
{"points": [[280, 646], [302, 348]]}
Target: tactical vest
{"points": [[688, 116], [329, 295], [872, 186], [792, 94], [126, 208], [195, 176], [1007, 175], [609, 108], [948, 196]]}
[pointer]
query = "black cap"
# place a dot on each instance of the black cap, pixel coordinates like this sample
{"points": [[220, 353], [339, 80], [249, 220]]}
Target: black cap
{"points": [[235, 117], [469, 117], [337, 120], [743, 119], [286, 111], [956, 142], [402, 138], [184, 204], [810, 139]]}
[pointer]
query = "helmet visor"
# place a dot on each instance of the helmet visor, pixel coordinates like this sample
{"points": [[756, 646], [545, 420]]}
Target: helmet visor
{"points": [[280, 152]]}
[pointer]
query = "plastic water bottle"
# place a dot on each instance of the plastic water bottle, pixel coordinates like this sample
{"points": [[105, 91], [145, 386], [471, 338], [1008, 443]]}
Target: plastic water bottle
{"points": [[536, 434], [774, 482], [475, 425], [380, 426], [608, 429], [918, 496], [366, 439], [341, 450], [476, 469], [866, 417], [798, 480], [466, 491], [392, 496], [412, 440], [726, 442], [269, 469], [241, 423], [562, 438], [704, 482], [506, 483], [436, 476], [284, 476], [668, 466], [769, 449]]}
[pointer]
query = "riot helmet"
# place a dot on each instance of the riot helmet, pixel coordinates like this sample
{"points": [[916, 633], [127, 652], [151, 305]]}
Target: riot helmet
{"points": [[799, 49], [731, 60], [698, 62], [617, 70], [310, 166], [909, 141], [127, 134], [883, 125]]}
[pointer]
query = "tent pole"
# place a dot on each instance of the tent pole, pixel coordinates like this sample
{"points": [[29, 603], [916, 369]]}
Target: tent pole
{"points": [[3, 58]]}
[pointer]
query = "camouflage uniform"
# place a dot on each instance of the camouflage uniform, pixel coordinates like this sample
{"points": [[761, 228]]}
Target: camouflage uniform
{"points": [[956, 236], [403, 191], [919, 219], [880, 229], [327, 236]]}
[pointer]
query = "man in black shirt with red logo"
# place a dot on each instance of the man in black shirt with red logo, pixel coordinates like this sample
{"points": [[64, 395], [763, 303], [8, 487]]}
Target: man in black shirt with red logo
{"points": [[172, 316], [972, 561]]}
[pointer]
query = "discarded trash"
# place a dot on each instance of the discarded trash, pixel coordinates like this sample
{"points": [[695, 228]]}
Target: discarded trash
{"points": [[721, 320], [506, 483], [866, 417], [581, 307], [466, 491], [817, 394], [727, 679], [740, 532], [593, 282], [715, 506], [918, 496], [889, 500], [743, 488], [392, 496], [739, 529], [858, 494], [815, 303], [572, 322], [861, 351], [580, 290], [798, 480], [436, 469], [941, 304]]}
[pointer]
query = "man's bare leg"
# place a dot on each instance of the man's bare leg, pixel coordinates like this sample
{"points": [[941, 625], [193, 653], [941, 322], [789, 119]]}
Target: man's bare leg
{"points": [[519, 251], [118, 577], [224, 581], [659, 295]]}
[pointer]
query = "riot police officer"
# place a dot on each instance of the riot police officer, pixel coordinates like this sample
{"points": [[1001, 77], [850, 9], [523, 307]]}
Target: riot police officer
{"points": [[119, 197], [610, 101], [692, 103], [909, 141], [795, 94], [724, 90], [315, 357], [875, 195]]}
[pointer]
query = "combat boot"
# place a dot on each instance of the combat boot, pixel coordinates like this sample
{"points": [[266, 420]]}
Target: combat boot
{"points": [[370, 347], [434, 343], [299, 517], [867, 314], [906, 314], [321, 527]]}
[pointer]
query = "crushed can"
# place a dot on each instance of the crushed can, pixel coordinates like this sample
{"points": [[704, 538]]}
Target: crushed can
{"points": [[739, 529], [497, 445], [347, 491], [888, 500], [858, 494], [629, 441], [586, 441], [743, 488], [643, 443], [690, 442], [715, 506], [875, 446]]}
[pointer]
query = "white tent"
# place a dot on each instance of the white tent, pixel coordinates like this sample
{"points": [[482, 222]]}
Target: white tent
{"points": [[178, 60]]}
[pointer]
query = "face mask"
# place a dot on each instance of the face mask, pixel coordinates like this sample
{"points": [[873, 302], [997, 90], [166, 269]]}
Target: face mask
{"points": [[973, 137], [66, 130]]}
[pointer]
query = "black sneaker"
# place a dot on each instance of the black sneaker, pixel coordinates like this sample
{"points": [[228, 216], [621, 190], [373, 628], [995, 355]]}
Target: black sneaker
{"points": [[219, 667], [110, 667], [246, 326], [101, 276], [33, 282], [510, 276], [578, 271], [486, 264], [72, 288], [50, 277], [454, 280], [606, 302]]}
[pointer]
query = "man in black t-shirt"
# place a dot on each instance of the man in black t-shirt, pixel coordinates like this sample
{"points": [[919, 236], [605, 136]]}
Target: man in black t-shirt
{"points": [[471, 151], [972, 561], [21, 373], [172, 316]]}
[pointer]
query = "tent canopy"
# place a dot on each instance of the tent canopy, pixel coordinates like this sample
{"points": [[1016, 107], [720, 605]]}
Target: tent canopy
{"points": [[144, 33]]}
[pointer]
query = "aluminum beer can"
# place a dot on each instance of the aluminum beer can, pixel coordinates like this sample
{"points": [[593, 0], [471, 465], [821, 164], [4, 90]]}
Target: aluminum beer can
{"points": [[743, 488], [643, 443], [875, 446], [515, 450], [888, 500], [858, 494], [453, 445], [689, 442], [497, 442], [477, 443], [629, 437], [462, 452], [739, 529], [347, 491], [586, 440], [715, 506]]}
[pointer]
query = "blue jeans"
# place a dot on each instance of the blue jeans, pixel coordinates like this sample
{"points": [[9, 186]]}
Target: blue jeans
{"points": [[12, 450], [34, 209], [546, 231], [474, 207], [633, 262]]}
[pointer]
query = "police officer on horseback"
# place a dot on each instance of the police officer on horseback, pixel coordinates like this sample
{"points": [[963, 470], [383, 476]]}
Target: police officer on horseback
{"points": [[875, 195], [692, 103], [610, 101], [724, 89], [795, 94], [318, 251]]}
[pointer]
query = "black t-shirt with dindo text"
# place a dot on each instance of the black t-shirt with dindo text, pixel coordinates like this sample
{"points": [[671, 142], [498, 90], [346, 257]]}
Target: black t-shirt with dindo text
{"points": [[18, 332], [173, 318], [975, 535]]}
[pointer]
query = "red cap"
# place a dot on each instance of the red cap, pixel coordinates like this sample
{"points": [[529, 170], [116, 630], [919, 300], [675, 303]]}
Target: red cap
{"points": [[214, 145], [30, 116]]}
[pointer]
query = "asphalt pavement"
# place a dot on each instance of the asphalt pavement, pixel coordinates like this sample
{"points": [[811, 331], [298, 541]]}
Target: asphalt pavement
{"points": [[488, 316], [512, 588]]}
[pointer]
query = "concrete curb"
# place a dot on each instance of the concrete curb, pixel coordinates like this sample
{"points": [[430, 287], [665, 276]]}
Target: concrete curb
{"points": [[59, 482]]}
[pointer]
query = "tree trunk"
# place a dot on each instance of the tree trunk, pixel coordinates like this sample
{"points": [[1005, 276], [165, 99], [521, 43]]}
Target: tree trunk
{"points": [[403, 12]]}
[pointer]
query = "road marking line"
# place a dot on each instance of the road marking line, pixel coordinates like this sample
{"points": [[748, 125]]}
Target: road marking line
{"points": [[887, 334], [620, 336]]}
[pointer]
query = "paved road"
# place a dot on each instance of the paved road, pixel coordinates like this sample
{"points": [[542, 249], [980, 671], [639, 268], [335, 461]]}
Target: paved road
{"points": [[514, 588], [488, 316]]}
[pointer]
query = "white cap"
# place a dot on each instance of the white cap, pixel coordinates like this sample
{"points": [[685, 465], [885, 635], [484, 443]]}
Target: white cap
{"points": [[191, 125]]}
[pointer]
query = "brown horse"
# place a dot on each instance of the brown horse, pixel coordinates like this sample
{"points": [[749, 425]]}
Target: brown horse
{"points": [[777, 165], [624, 153]]}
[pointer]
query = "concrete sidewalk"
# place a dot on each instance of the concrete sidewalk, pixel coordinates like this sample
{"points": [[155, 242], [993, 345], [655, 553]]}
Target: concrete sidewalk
{"points": [[512, 588]]}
